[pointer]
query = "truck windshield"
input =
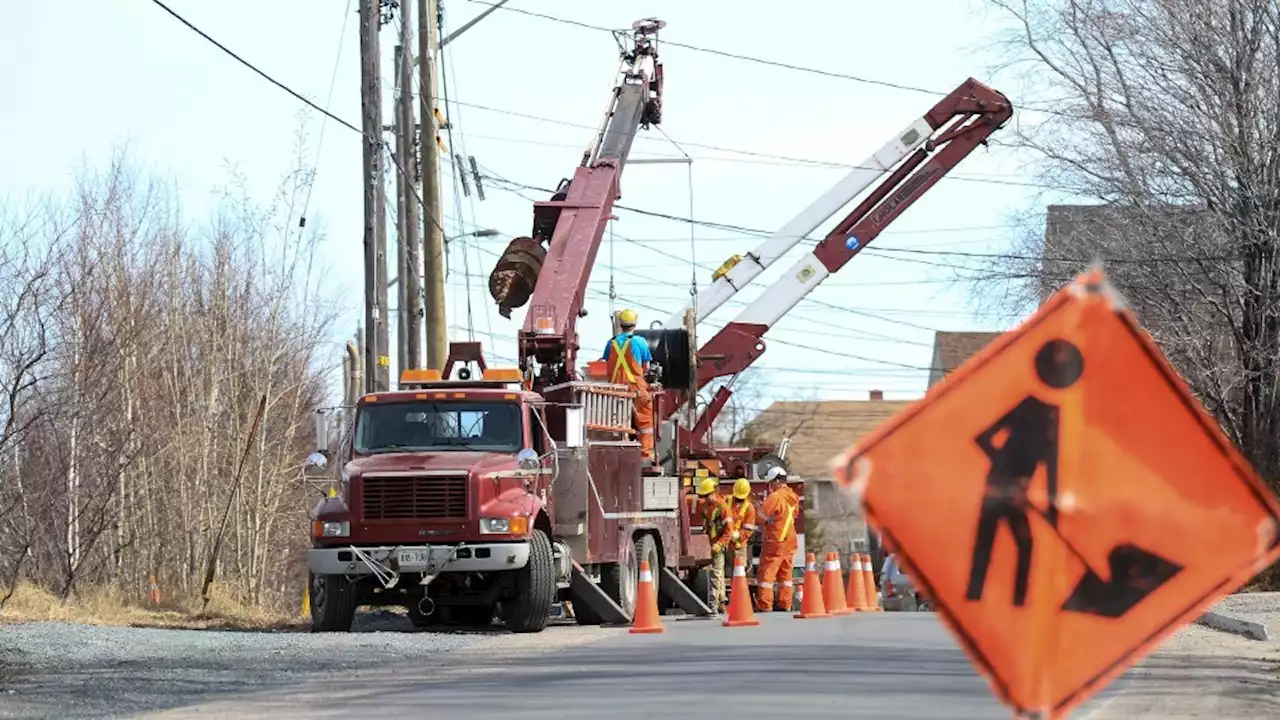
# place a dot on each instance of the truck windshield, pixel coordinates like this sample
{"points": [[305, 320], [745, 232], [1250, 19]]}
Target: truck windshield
{"points": [[418, 425]]}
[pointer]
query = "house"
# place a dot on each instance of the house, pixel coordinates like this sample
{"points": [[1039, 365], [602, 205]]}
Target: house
{"points": [[819, 431], [952, 349]]}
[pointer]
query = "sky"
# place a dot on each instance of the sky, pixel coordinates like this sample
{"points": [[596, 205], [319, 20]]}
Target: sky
{"points": [[525, 96]]}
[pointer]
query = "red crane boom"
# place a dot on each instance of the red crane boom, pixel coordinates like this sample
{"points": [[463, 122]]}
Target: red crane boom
{"points": [[553, 279], [961, 121]]}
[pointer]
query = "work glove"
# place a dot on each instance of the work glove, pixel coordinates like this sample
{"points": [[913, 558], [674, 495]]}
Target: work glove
{"points": [[769, 519], [736, 535], [717, 548]]}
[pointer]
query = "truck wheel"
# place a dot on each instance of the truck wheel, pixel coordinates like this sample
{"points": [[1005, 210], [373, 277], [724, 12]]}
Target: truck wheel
{"points": [[700, 584], [530, 609], [334, 600], [646, 549]]}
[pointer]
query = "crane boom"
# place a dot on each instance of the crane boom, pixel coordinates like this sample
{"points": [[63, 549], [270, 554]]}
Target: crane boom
{"points": [[738, 272], [551, 268], [966, 118]]}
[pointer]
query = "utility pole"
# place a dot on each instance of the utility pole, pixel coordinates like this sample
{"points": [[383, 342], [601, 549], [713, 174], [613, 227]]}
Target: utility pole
{"points": [[375, 239], [398, 132], [433, 234], [411, 272]]}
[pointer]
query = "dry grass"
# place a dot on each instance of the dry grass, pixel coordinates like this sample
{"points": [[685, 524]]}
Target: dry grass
{"points": [[101, 606]]}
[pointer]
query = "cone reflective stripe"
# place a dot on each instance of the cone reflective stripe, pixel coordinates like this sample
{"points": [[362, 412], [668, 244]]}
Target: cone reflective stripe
{"points": [[646, 619], [740, 611], [811, 605], [857, 591], [869, 582], [832, 589]]}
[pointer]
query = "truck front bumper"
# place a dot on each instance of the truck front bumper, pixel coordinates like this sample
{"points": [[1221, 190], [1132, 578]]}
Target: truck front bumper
{"points": [[426, 559]]}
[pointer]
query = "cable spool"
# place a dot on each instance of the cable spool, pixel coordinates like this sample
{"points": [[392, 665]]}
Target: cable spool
{"points": [[672, 351]]}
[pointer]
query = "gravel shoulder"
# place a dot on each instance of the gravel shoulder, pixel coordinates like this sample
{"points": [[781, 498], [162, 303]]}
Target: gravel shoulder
{"points": [[65, 670], [1202, 673]]}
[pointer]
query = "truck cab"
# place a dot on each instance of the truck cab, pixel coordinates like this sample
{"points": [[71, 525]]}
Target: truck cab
{"points": [[438, 505]]}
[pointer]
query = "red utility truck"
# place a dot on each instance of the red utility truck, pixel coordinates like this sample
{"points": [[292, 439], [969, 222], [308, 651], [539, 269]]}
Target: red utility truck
{"points": [[476, 492]]}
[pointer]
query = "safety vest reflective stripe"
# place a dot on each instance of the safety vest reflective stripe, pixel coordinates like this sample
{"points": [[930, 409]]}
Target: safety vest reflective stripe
{"points": [[789, 512], [622, 362]]}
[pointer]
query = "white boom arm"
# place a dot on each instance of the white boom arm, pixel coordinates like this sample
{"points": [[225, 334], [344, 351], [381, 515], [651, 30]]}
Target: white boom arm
{"points": [[777, 245]]}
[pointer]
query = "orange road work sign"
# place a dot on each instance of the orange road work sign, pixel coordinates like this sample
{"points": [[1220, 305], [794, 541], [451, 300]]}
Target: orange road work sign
{"points": [[1064, 501]]}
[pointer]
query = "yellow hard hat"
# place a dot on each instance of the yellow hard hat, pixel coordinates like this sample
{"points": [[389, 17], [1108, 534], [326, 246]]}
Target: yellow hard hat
{"points": [[707, 486], [742, 489], [628, 317]]}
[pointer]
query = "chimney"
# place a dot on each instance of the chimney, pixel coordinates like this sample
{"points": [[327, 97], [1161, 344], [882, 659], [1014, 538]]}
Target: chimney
{"points": [[877, 395]]}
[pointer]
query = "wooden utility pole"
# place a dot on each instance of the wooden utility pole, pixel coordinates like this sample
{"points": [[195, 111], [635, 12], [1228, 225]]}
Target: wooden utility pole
{"points": [[375, 239], [433, 235], [402, 195], [411, 274]]}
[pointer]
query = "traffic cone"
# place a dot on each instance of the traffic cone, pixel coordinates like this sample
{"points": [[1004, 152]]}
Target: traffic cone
{"points": [[869, 585], [857, 591], [811, 606], [646, 619], [740, 610], [833, 588], [153, 592]]}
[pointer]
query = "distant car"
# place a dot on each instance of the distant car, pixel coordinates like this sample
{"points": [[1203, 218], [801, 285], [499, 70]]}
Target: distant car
{"points": [[897, 592]]}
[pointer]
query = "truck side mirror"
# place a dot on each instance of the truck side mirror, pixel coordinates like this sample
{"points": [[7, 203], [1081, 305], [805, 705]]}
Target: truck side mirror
{"points": [[574, 427], [322, 432], [527, 459], [317, 460]]}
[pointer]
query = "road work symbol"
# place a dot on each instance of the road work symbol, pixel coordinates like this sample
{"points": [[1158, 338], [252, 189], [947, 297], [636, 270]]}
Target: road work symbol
{"points": [[1064, 501]]}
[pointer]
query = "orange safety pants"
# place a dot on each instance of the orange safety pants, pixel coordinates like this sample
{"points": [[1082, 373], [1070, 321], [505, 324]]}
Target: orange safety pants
{"points": [[644, 418], [776, 562]]}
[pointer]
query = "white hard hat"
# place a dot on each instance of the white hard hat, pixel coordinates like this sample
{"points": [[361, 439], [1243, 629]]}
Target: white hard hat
{"points": [[775, 473]]}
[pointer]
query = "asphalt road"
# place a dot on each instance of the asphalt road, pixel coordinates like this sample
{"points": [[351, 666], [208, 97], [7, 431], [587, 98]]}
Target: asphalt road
{"points": [[899, 665]]}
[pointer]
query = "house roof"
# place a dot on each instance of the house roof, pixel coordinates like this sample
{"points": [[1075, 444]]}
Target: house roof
{"points": [[820, 430], [951, 349]]}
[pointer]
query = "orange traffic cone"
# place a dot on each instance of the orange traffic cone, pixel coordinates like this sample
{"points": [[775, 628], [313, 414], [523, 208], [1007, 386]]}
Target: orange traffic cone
{"points": [[153, 592], [869, 585], [811, 606], [740, 610], [833, 588], [646, 619], [857, 591]]}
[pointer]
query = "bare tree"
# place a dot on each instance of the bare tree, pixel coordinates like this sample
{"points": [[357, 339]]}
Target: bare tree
{"points": [[1168, 113], [133, 353]]}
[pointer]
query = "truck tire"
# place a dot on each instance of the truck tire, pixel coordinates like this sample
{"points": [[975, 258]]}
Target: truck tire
{"points": [[646, 549], [530, 609], [700, 584], [334, 600]]}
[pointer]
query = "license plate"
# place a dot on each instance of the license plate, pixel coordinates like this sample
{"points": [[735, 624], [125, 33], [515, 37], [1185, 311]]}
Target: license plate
{"points": [[414, 557]]}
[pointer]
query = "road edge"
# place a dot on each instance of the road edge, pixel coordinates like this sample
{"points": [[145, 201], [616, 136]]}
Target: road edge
{"points": [[1235, 626]]}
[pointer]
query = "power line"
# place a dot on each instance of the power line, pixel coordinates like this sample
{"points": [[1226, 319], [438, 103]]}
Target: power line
{"points": [[254, 68]]}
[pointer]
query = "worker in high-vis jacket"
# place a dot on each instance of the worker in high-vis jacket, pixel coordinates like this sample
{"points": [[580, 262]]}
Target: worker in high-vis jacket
{"points": [[717, 523], [744, 519], [628, 357], [778, 514]]}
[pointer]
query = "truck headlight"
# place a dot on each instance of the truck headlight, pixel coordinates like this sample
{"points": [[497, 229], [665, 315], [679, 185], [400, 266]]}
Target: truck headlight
{"points": [[330, 528], [515, 525]]}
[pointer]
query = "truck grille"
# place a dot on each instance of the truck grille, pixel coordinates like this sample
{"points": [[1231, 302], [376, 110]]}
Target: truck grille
{"points": [[415, 498]]}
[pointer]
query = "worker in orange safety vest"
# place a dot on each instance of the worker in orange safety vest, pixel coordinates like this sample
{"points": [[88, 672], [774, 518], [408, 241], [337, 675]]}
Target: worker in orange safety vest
{"points": [[744, 518], [717, 522], [778, 513], [628, 357]]}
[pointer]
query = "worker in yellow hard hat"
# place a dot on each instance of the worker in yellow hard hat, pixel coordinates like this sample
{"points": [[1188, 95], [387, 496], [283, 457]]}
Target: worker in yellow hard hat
{"points": [[744, 518], [628, 357], [717, 522]]}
